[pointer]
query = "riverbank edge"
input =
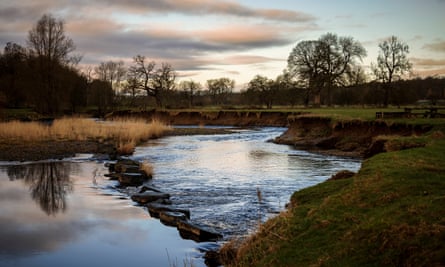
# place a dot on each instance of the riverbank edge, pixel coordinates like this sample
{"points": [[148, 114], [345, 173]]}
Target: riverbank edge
{"points": [[317, 133], [385, 215], [48, 150], [321, 133]]}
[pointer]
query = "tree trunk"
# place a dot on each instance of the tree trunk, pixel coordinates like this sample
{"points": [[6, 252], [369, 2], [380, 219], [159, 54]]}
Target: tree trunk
{"points": [[317, 99]]}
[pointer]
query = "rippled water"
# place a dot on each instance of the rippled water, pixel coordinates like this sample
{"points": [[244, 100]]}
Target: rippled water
{"points": [[219, 177], [66, 213]]}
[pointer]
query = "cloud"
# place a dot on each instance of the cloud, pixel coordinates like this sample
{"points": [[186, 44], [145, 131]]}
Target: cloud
{"points": [[248, 59], [428, 62], [185, 50], [430, 73], [437, 47], [207, 7], [428, 67], [239, 36], [191, 34]]}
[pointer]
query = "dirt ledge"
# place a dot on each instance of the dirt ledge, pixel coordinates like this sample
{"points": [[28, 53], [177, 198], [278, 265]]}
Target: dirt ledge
{"points": [[355, 138], [32, 151]]}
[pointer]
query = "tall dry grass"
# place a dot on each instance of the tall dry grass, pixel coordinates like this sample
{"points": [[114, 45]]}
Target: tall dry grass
{"points": [[122, 132]]}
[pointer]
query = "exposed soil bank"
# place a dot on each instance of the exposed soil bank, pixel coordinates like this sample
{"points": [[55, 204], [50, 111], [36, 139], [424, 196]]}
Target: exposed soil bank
{"points": [[355, 138], [229, 118], [349, 138]]}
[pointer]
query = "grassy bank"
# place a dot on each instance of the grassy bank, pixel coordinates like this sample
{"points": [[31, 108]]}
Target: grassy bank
{"points": [[391, 213]]}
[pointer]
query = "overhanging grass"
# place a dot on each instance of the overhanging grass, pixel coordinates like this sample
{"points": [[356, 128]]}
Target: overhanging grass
{"points": [[390, 214]]}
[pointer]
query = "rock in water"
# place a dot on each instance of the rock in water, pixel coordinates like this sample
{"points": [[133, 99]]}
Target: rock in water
{"points": [[156, 209], [197, 233], [172, 218], [131, 179], [147, 197]]}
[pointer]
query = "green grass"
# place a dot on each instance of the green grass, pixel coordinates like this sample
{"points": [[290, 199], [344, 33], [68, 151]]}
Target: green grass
{"points": [[340, 113], [392, 213]]}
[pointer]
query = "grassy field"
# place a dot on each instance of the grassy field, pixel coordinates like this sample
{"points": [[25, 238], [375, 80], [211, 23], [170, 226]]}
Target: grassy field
{"points": [[391, 213]]}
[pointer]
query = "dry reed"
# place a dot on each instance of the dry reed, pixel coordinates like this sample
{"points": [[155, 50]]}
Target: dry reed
{"points": [[123, 132], [147, 168]]}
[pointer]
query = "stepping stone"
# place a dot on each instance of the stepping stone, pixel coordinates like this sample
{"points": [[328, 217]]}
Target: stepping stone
{"points": [[197, 233], [147, 197]]}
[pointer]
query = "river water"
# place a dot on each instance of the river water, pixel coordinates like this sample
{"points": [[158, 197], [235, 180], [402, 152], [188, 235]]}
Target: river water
{"points": [[66, 213]]}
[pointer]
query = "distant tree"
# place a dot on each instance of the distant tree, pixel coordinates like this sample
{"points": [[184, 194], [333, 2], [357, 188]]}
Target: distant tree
{"points": [[220, 89], [112, 72], [325, 63], [13, 69], [100, 95], [392, 63], [51, 49], [289, 91], [191, 88], [132, 88], [153, 81], [263, 88], [163, 82]]}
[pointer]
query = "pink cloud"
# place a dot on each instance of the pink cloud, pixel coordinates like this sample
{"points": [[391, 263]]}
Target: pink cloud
{"points": [[243, 34]]}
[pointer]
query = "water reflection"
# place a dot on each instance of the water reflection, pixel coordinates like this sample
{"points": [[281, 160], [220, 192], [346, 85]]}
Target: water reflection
{"points": [[49, 183]]}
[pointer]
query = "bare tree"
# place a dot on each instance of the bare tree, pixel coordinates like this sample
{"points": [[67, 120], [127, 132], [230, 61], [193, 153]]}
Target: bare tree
{"points": [[162, 82], [191, 88], [392, 62], [51, 48], [263, 88], [132, 87], [304, 63], [220, 88], [154, 81], [112, 72], [325, 63], [47, 39]]}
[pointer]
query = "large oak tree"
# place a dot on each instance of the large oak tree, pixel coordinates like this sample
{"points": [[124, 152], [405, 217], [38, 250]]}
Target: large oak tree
{"points": [[325, 63]]}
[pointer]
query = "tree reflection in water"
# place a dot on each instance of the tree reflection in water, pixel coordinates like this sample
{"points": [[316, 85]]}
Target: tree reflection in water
{"points": [[49, 182]]}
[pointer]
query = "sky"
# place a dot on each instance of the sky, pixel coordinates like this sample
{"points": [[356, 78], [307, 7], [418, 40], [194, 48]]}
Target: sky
{"points": [[237, 39]]}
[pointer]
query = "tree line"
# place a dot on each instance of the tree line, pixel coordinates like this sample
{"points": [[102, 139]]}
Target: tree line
{"points": [[45, 76]]}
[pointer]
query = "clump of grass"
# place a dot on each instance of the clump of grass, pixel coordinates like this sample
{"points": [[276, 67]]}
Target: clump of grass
{"points": [[125, 148], [147, 168]]}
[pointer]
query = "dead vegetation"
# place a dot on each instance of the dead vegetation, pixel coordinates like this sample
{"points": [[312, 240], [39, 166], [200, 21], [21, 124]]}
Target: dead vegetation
{"points": [[123, 134]]}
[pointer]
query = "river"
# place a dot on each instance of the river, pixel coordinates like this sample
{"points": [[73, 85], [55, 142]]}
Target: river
{"points": [[66, 213]]}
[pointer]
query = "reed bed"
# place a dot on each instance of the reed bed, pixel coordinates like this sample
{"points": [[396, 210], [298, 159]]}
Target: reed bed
{"points": [[122, 132]]}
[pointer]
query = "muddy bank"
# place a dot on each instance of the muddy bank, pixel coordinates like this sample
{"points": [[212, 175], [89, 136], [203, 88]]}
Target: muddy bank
{"points": [[230, 118], [32, 151], [355, 138]]}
